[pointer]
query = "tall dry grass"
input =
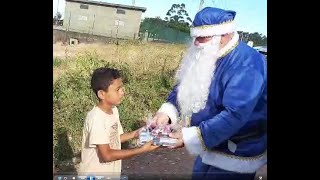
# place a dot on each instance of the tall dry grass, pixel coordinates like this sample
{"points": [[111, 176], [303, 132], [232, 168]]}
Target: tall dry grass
{"points": [[148, 69]]}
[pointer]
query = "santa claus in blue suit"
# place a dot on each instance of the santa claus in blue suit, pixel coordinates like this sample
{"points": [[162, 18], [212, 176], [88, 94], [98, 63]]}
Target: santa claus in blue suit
{"points": [[221, 96]]}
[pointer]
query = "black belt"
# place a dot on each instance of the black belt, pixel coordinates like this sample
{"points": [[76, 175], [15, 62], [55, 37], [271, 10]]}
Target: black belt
{"points": [[254, 133]]}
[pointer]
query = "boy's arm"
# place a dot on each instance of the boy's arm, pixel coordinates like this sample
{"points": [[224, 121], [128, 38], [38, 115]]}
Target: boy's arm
{"points": [[106, 154], [130, 135]]}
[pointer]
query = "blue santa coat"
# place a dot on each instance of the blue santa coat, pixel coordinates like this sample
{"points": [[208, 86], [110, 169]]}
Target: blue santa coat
{"points": [[237, 102]]}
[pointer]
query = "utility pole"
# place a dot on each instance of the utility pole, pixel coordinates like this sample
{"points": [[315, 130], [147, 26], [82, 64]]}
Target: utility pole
{"points": [[58, 7], [201, 4]]}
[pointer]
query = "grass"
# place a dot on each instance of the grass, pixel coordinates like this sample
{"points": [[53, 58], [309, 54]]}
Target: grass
{"points": [[56, 62], [148, 70]]}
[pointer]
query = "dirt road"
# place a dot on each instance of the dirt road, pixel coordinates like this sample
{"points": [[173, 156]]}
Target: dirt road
{"points": [[165, 164]]}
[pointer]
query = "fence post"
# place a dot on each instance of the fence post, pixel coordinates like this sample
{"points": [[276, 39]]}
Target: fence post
{"points": [[146, 35], [94, 19], [67, 29], [177, 35]]}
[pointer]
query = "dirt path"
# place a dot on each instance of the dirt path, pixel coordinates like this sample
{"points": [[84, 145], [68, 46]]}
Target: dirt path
{"points": [[160, 164], [165, 164]]}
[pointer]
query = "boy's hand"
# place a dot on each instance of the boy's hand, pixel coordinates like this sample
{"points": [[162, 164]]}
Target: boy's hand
{"points": [[161, 119], [149, 147], [136, 132]]}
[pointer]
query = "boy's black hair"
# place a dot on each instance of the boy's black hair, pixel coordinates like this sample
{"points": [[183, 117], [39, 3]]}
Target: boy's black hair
{"points": [[102, 78]]}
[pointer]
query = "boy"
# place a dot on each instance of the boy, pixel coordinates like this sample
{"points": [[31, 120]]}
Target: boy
{"points": [[102, 132]]}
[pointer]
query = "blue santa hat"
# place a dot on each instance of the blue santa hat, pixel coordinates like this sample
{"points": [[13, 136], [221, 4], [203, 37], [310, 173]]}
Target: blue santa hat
{"points": [[213, 21]]}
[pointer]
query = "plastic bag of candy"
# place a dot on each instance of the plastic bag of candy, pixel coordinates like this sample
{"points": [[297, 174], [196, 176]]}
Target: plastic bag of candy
{"points": [[158, 134]]}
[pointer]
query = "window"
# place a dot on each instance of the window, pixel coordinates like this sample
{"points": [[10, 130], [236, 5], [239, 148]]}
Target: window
{"points": [[84, 6], [120, 11]]}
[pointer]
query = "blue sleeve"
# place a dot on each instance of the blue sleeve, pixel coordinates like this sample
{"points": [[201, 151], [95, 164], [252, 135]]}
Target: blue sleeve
{"points": [[242, 90], [172, 98]]}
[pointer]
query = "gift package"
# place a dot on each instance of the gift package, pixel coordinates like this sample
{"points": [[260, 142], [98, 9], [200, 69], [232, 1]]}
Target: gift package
{"points": [[158, 134]]}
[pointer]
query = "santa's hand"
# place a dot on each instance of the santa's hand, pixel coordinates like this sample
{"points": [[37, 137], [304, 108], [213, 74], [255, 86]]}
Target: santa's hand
{"points": [[179, 143], [161, 119]]}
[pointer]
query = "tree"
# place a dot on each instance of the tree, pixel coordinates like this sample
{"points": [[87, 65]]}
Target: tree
{"points": [[257, 38], [152, 24], [57, 17], [178, 18]]}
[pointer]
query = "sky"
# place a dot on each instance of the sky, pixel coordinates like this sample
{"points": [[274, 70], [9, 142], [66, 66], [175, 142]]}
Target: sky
{"points": [[251, 14]]}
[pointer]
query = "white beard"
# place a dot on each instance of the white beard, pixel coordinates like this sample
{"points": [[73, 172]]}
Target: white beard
{"points": [[195, 76]]}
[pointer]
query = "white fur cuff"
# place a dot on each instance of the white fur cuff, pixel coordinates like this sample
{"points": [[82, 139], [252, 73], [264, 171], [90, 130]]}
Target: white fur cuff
{"points": [[171, 111], [211, 30], [192, 141]]}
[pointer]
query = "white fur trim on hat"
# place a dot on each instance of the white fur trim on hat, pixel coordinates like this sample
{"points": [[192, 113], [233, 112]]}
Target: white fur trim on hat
{"points": [[211, 30]]}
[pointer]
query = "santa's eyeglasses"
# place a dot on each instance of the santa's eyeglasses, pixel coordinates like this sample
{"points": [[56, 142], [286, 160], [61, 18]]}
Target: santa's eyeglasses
{"points": [[203, 39]]}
